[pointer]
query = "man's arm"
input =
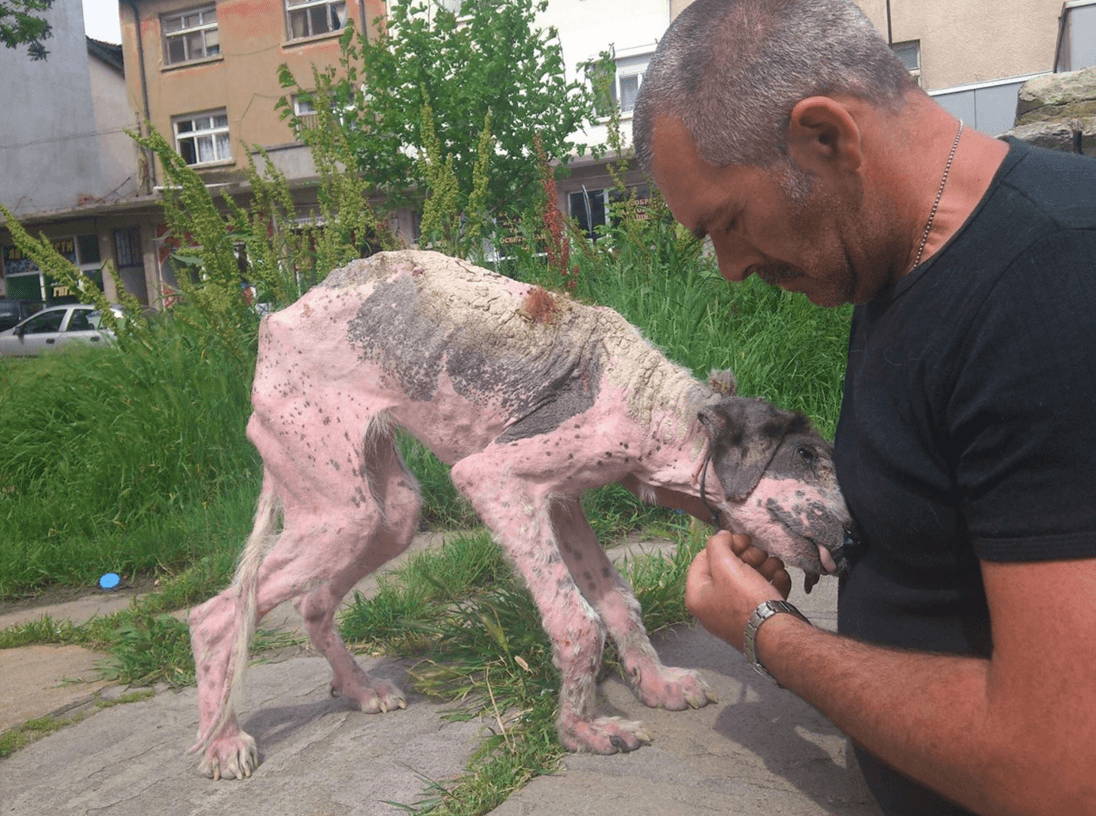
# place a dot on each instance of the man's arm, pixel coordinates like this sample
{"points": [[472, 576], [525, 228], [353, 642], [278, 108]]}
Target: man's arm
{"points": [[1015, 734]]}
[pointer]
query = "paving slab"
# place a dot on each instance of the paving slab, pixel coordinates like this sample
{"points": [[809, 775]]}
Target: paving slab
{"points": [[319, 756], [40, 680], [758, 750]]}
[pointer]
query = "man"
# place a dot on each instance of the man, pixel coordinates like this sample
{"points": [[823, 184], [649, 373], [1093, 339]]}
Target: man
{"points": [[965, 665]]}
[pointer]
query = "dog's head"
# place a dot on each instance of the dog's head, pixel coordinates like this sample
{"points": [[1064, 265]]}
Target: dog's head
{"points": [[778, 483]]}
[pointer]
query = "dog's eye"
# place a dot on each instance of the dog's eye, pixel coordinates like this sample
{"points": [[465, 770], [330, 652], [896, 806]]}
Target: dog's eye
{"points": [[806, 454]]}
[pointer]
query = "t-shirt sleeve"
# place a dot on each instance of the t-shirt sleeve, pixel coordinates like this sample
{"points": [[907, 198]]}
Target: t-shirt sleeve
{"points": [[1022, 414]]}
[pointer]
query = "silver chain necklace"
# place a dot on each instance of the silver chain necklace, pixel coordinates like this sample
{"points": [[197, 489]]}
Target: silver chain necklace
{"points": [[939, 195]]}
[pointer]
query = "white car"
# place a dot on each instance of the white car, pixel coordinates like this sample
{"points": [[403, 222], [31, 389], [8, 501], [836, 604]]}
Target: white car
{"points": [[53, 328]]}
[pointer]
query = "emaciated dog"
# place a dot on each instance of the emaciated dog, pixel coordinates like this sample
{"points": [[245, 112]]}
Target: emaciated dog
{"points": [[533, 399]]}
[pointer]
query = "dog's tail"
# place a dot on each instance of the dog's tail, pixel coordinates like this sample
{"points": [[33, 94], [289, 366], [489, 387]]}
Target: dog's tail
{"points": [[246, 581]]}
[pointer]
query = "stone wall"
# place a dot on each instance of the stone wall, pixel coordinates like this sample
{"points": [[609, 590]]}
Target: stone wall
{"points": [[1053, 108]]}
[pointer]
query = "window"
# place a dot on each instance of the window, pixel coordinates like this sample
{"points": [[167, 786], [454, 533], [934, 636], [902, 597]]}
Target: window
{"points": [[591, 208], [48, 322], [79, 321], [127, 246], [190, 35], [87, 248], [203, 138], [588, 209], [910, 55], [309, 18], [617, 84], [304, 108], [626, 90]]}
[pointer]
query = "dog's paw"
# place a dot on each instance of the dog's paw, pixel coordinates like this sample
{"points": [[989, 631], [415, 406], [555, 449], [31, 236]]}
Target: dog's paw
{"points": [[673, 689], [605, 735], [369, 694], [233, 757]]}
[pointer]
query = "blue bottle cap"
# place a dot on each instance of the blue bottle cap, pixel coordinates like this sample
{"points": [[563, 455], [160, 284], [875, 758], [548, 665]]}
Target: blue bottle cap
{"points": [[109, 581]]}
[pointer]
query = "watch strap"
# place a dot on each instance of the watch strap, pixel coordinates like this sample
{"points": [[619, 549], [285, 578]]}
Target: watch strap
{"points": [[762, 613]]}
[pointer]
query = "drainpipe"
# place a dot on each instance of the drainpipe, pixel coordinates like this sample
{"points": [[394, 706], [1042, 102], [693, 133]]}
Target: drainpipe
{"points": [[890, 35], [144, 90]]}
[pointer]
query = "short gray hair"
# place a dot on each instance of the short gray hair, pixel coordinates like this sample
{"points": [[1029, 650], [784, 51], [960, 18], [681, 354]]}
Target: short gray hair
{"points": [[732, 70]]}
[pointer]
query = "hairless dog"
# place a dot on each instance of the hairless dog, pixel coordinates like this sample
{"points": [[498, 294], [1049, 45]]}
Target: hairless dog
{"points": [[533, 399]]}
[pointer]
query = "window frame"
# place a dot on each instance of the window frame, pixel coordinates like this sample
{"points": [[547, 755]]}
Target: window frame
{"points": [[195, 134], [293, 7], [184, 33], [304, 108], [600, 203], [913, 47], [625, 66]]}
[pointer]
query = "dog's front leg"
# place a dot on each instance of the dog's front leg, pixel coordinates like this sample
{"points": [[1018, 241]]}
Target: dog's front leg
{"points": [[520, 520], [657, 685]]}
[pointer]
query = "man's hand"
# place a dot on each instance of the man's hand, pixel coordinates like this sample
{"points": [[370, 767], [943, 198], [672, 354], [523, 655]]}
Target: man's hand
{"points": [[726, 582]]}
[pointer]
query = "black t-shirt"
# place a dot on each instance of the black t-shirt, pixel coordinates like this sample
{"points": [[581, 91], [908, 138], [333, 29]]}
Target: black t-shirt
{"points": [[968, 425]]}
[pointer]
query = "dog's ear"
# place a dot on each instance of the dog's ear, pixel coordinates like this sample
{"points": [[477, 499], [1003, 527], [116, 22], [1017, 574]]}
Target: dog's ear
{"points": [[743, 436], [723, 382]]}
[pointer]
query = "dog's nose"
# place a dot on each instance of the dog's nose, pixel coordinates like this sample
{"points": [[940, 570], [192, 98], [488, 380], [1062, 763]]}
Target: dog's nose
{"points": [[852, 536]]}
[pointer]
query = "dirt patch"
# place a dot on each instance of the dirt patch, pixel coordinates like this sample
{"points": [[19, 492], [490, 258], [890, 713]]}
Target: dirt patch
{"points": [[52, 595]]}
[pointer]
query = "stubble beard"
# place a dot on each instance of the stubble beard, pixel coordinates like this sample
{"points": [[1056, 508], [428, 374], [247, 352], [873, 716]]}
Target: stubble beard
{"points": [[811, 202]]}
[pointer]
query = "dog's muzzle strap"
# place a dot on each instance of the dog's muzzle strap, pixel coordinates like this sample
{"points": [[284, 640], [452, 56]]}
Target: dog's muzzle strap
{"points": [[704, 493]]}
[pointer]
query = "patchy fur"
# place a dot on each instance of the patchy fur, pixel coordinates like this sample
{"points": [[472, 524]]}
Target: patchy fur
{"points": [[533, 399]]}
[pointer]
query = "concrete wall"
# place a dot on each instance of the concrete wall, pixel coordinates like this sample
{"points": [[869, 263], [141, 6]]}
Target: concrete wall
{"points": [[974, 40], [113, 116], [49, 151]]}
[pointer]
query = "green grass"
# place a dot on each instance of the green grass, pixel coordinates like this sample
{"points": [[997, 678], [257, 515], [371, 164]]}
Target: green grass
{"points": [[134, 459]]}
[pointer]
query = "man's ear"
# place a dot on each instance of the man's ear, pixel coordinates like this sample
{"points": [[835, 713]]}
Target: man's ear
{"points": [[824, 136]]}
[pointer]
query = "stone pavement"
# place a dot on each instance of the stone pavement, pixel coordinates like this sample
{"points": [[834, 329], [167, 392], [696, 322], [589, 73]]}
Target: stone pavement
{"points": [[758, 750]]}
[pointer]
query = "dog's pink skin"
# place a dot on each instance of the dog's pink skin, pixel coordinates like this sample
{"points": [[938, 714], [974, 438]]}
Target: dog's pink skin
{"points": [[335, 376]]}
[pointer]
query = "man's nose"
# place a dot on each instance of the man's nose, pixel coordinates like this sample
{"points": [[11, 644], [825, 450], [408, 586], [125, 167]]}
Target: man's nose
{"points": [[734, 259]]}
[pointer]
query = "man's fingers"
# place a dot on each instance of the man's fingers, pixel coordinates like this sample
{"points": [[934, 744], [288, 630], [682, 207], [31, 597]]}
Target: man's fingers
{"points": [[755, 558], [770, 567], [782, 582], [738, 543]]}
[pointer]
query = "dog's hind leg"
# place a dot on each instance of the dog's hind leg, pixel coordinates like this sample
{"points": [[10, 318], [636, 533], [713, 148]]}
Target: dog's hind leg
{"points": [[522, 525], [219, 632], [395, 493], [339, 524], [657, 685]]}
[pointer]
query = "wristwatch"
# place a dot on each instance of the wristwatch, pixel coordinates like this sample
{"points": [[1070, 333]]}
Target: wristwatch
{"points": [[764, 611]]}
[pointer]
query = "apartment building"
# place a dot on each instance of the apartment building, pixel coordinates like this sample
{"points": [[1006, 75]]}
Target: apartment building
{"points": [[204, 74]]}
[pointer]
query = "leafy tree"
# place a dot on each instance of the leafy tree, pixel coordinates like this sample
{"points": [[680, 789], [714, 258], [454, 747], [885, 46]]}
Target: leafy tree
{"points": [[489, 77], [20, 25]]}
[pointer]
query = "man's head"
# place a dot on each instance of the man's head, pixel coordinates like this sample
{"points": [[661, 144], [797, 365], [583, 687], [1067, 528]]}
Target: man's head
{"points": [[753, 120], [732, 70]]}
